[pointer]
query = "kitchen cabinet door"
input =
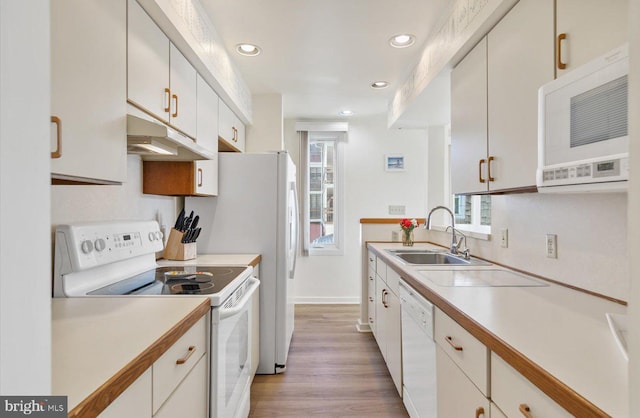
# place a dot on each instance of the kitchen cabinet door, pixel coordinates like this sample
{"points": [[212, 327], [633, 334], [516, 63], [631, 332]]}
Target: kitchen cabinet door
{"points": [[469, 122], [134, 402], [190, 399], [148, 64], [231, 131], [457, 396], [371, 301], [180, 178], [381, 323], [519, 61], [393, 328], [88, 90], [591, 27], [207, 116], [182, 82]]}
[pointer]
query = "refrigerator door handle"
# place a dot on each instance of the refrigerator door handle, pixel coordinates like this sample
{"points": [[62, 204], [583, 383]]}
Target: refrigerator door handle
{"points": [[293, 229]]}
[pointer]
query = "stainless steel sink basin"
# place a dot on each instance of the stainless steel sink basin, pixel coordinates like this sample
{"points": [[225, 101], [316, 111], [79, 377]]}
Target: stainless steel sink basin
{"points": [[431, 257]]}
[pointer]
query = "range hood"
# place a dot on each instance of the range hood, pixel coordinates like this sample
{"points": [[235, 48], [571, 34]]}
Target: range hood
{"points": [[156, 141]]}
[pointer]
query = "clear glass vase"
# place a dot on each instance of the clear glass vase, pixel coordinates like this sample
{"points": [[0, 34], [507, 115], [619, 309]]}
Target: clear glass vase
{"points": [[407, 238]]}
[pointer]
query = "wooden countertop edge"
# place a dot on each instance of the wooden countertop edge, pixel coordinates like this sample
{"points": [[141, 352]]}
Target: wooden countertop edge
{"points": [[103, 396], [256, 261], [566, 397]]}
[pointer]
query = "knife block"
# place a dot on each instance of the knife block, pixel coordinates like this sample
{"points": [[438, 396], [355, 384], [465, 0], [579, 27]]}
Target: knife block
{"points": [[176, 250]]}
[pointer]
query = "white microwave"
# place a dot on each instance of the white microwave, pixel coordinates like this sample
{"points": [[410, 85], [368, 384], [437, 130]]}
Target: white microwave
{"points": [[583, 135]]}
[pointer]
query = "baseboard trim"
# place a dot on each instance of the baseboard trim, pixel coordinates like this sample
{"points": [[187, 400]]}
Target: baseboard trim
{"points": [[326, 301], [363, 326]]}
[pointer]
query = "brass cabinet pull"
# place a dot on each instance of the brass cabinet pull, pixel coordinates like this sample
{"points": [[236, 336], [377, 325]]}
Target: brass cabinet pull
{"points": [[480, 179], [175, 114], [525, 410], [183, 360], [235, 134], [479, 411], [384, 298], [489, 168], [450, 341], [168, 93], [200, 177], [561, 37], [58, 152]]}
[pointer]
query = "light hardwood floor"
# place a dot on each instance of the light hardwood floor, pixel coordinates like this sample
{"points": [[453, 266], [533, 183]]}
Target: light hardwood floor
{"points": [[332, 371]]}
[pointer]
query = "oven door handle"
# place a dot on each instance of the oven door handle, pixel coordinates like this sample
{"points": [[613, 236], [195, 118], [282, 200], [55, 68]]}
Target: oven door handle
{"points": [[228, 312]]}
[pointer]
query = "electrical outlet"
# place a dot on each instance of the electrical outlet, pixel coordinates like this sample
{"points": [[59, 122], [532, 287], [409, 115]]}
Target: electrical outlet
{"points": [[397, 209], [552, 246], [504, 238]]}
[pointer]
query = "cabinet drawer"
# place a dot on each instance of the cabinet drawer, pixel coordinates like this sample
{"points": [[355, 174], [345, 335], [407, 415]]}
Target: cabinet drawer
{"points": [[167, 373], [511, 391], [464, 349], [371, 282], [393, 281], [371, 259]]}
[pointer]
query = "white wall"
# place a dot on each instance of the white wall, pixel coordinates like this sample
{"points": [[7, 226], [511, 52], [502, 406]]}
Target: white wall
{"points": [[369, 190], [266, 133], [634, 204], [102, 203], [25, 251]]}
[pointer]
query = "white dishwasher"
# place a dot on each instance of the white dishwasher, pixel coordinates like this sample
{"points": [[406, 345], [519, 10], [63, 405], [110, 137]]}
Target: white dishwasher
{"points": [[418, 354]]}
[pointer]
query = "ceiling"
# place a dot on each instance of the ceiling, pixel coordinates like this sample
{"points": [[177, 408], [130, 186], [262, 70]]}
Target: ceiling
{"points": [[322, 55]]}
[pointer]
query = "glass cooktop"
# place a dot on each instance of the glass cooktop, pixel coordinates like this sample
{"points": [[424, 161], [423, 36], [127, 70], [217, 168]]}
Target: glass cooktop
{"points": [[174, 280]]}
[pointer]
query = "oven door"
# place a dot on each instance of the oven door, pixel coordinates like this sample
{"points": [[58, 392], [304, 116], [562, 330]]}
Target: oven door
{"points": [[231, 355]]}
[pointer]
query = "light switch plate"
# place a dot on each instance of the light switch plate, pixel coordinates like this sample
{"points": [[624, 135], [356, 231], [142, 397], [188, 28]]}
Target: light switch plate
{"points": [[552, 246], [397, 209]]}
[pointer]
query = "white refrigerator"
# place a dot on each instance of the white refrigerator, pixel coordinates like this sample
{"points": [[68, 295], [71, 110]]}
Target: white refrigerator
{"points": [[256, 211]]}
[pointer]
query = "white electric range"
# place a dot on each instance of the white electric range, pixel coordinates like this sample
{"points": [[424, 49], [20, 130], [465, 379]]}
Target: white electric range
{"points": [[118, 259]]}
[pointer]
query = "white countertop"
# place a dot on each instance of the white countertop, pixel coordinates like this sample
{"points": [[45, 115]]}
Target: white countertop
{"points": [[216, 260], [563, 331], [93, 339]]}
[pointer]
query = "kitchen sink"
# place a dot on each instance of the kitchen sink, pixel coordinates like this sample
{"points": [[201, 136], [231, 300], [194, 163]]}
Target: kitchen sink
{"points": [[433, 257]]}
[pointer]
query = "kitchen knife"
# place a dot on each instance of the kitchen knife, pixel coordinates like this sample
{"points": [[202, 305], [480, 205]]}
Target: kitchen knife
{"points": [[187, 236], [194, 224], [179, 221], [196, 234], [187, 222]]}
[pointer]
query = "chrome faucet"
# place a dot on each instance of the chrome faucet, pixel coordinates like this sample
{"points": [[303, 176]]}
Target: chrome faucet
{"points": [[454, 242], [464, 250]]}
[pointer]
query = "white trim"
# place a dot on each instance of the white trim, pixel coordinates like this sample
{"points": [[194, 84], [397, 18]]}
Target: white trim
{"points": [[482, 232], [327, 300], [322, 126]]}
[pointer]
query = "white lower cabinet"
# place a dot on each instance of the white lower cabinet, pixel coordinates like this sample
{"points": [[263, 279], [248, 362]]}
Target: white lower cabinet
{"points": [[457, 396], [134, 402], [515, 395], [496, 412], [190, 397]]}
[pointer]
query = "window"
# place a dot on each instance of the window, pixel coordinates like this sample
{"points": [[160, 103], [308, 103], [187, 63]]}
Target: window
{"points": [[322, 220], [473, 212]]}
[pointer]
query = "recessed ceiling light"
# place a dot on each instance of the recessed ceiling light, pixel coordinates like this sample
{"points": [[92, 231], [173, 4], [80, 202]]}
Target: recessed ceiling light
{"points": [[402, 41], [346, 112], [248, 50], [379, 84]]}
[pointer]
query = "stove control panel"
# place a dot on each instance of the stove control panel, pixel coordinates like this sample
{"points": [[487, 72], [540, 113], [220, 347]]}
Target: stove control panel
{"points": [[82, 246]]}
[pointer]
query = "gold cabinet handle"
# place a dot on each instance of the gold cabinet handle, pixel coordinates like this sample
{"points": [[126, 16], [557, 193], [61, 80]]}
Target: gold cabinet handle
{"points": [[450, 341], [489, 168], [479, 411], [175, 114], [58, 152], [525, 410], [561, 37], [167, 91], [384, 298], [200, 177], [235, 134], [183, 360], [480, 179]]}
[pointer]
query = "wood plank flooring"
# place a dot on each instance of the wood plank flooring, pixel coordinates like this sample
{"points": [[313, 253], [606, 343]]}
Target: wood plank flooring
{"points": [[332, 371]]}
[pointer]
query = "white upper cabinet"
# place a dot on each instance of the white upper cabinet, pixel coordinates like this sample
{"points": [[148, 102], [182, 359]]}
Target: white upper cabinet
{"points": [[469, 122], [207, 116], [494, 102], [587, 29], [148, 64], [160, 79], [520, 60], [88, 90], [230, 130]]}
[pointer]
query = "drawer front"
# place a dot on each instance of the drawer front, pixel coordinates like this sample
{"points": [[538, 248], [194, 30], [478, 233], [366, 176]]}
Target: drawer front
{"points": [[178, 360], [393, 281], [464, 349], [512, 393], [371, 259]]}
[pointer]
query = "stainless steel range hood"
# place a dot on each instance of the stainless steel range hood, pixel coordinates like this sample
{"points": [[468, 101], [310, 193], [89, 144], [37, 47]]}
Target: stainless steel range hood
{"points": [[154, 140]]}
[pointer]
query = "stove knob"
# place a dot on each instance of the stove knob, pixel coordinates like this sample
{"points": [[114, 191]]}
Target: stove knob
{"points": [[100, 244], [86, 246], [151, 236]]}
